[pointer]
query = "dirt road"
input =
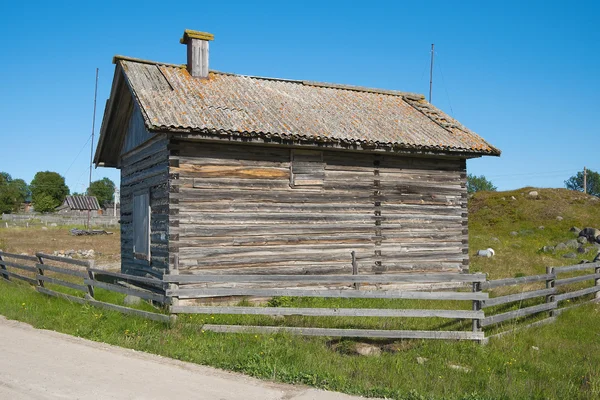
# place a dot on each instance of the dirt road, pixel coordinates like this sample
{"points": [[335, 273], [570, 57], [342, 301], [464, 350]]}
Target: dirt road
{"points": [[40, 364]]}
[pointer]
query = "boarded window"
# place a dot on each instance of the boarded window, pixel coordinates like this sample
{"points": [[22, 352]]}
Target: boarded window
{"points": [[141, 226], [307, 169]]}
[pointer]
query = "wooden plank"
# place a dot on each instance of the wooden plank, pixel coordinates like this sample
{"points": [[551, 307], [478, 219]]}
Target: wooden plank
{"points": [[494, 319], [373, 333], [60, 282], [380, 278], [113, 307], [126, 290], [577, 293], [494, 301], [515, 281], [19, 256], [17, 276], [563, 309], [331, 312], [66, 271], [18, 266], [190, 293], [66, 260], [567, 281], [521, 327], [127, 277], [578, 267]]}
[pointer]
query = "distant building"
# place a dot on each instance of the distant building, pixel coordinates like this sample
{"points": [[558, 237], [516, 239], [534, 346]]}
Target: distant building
{"points": [[79, 205]]}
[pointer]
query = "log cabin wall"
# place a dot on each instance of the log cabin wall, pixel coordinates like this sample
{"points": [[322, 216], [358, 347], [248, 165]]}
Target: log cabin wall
{"points": [[255, 209], [144, 170]]}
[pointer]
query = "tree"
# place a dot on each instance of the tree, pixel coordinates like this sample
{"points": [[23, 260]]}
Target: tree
{"points": [[479, 184], [13, 193], [103, 189], [592, 182], [48, 189]]}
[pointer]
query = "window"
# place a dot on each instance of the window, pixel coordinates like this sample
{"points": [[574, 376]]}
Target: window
{"points": [[307, 169], [141, 226]]}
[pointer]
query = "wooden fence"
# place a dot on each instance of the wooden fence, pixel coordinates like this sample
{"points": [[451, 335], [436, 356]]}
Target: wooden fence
{"points": [[49, 273]]}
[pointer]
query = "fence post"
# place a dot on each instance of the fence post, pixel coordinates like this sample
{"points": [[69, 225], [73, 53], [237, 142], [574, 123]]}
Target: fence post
{"points": [[3, 268], [597, 281], [550, 285], [91, 276], [476, 307], [40, 282], [355, 269]]}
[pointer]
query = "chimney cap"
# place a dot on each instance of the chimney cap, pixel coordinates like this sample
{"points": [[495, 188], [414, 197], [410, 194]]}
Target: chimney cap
{"points": [[190, 34]]}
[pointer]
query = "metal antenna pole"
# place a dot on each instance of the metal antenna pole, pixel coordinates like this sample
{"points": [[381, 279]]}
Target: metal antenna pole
{"points": [[431, 73], [585, 180], [92, 147]]}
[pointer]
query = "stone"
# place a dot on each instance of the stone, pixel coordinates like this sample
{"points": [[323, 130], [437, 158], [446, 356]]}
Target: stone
{"points": [[44, 228], [560, 246], [570, 255], [547, 249], [590, 233], [54, 225], [575, 230], [421, 360], [130, 300], [495, 239], [559, 218], [582, 250], [535, 348], [533, 193], [489, 252], [513, 198], [541, 227], [365, 349], [503, 198], [582, 239], [572, 244], [459, 368], [513, 233]]}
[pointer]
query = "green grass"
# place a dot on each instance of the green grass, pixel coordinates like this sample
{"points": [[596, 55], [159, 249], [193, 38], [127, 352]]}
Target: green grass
{"points": [[565, 366]]}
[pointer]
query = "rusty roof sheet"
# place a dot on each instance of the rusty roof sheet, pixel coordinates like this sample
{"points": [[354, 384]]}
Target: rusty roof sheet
{"points": [[82, 202], [172, 100]]}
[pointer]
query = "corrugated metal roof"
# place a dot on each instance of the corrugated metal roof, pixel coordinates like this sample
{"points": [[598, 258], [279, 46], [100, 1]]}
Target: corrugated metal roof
{"points": [[172, 100], [82, 203]]}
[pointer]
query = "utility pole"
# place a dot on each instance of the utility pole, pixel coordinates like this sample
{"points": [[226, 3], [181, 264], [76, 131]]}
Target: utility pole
{"points": [[431, 73], [585, 180]]}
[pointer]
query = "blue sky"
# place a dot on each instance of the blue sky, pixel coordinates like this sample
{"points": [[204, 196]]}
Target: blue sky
{"points": [[522, 74]]}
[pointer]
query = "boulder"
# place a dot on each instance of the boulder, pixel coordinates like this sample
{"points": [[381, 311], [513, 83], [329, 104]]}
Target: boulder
{"points": [[582, 239], [421, 360], [533, 193], [54, 225], [572, 244], [575, 230], [590, 233], [365, 349], [514, 233], [559, 218], [570, 255], [560, 246], [582, 250], [513, 198], [547, 249]]}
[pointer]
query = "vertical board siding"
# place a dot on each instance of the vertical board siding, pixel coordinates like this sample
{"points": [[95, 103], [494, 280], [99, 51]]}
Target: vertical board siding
{"points": [[233, 210], [145, 170]]}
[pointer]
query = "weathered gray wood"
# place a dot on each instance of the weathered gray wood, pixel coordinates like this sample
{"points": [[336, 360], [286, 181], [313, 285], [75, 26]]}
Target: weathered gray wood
{"points": [[18, 256], [406, 278], [66, 260], [521, 327], [494, 301], [331, 312], [101, 304], [578, 267], [144, 294], [374, 333], [127, 277], [495, 319], [567, 281], [66, 271], [11, 274], [583, 303], [60, 282], [514, 281], [188, 293], [576, 293], [3, 268], [18, 266]]}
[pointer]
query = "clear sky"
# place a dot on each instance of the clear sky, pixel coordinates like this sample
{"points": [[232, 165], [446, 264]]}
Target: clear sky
{"points": [[522, 74]]}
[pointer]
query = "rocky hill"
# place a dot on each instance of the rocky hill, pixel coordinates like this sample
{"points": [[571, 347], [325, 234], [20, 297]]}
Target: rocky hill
{"points": [[531, 229]]}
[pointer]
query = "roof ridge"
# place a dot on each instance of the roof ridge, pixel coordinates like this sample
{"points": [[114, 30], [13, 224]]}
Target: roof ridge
{"points": [[410, 95]]}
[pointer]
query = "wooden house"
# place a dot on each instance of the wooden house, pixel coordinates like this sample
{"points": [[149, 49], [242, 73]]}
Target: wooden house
{"points": [[228, 173], [79, 205]]}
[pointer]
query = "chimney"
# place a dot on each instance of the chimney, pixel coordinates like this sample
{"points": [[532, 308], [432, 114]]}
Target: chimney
{"points": [[197, 52]]}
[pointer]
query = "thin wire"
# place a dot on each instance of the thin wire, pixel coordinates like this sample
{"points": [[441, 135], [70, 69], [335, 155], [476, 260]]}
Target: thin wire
{"points": [[77, 156], [444, 83]]}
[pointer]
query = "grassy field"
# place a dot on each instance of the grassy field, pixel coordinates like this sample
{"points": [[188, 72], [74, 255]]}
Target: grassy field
{"points": [[556, 361]]}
